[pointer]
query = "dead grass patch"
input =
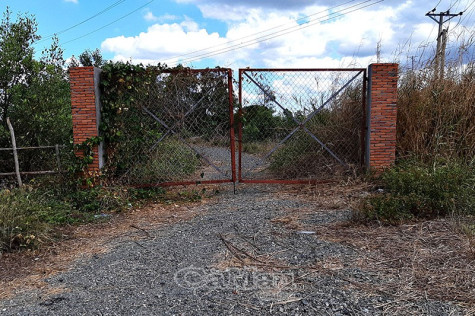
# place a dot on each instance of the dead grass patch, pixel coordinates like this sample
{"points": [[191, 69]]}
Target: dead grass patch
{"points": [[330, 196], [419, 261]]}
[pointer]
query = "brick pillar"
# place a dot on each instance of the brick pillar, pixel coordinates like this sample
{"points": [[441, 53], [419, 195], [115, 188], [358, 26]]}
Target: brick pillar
{"points": [[381, 116], [85, 104]]}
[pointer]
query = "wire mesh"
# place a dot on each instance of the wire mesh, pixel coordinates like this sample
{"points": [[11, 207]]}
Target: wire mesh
{"points": [[300, 124], [177, 130]]}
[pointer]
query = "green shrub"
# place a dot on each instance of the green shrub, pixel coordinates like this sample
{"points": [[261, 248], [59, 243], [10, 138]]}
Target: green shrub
{"points": [[260, 123], [414, 190], [303, 156], [28, 216], [337, 126], [170, 160], [146, 194]]}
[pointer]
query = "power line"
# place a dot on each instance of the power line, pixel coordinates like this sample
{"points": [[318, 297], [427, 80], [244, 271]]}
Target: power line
{"points": [[469, 13], [452, 4], [275, 34], [109, 24], [264, 31], [84, 21], [258, 39]]}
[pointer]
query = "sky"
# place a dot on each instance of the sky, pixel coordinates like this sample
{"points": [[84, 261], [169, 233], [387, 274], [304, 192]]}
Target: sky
{"points": [[249, 33]]}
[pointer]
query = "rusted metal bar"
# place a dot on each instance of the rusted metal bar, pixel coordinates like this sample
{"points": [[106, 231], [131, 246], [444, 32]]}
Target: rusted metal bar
{"points": [[283, 181], [169, 184], [231, 125], [347, 81], [205, 70], [363, 120], [240, 126], [303, 69]]}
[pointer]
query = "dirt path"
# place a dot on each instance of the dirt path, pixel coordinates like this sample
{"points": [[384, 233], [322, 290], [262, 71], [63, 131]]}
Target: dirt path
{"points": [[265, 250]]}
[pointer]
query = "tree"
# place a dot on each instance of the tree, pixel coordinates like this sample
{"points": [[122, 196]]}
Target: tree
{"points": [[44, 114], [16, 60], [34, 94], [91, 58], [88, 58]]}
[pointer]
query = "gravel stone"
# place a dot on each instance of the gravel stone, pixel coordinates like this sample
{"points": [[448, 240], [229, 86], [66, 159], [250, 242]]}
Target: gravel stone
{"points": [[186, 269]]}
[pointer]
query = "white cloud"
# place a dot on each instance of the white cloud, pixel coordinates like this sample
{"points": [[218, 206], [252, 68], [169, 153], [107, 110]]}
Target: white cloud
{"points": [[161, 41], [150, 17], [253, 34], [73, 1], [274, 4]]}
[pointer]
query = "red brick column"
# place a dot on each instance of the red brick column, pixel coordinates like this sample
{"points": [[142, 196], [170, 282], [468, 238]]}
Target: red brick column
{"points": [[381, 116], [85, 106]]}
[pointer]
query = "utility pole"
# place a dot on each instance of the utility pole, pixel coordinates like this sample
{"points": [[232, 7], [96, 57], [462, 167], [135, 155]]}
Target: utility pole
{"points": [[441, 18]]}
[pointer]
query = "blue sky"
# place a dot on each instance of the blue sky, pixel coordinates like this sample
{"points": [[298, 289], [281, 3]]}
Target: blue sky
{"points": [[242, 33]]}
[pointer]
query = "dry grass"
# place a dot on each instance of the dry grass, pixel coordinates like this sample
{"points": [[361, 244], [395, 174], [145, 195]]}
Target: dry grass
{"points": [[431, 259], [437, 117], [424, 260]]}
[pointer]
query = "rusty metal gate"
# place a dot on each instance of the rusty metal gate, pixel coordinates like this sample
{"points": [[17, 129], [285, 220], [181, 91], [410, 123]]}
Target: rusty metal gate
{"points": [[180, 130], [300, 125], [294, 126]]}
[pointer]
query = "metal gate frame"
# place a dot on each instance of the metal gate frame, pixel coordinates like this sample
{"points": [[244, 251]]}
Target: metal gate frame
{"points": [[227, 71], [242, 71]]}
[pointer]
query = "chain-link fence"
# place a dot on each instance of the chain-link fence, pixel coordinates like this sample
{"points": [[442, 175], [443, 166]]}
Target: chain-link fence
{"points": [[300, 124], [177, 129]]}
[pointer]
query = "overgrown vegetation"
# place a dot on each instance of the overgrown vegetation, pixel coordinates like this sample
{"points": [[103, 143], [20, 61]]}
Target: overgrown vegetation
{"points": [[436, 118], [338, 127], [34, 94], [434, 176], [150, 113], [435, 171], [417, 190], [29, 215]]}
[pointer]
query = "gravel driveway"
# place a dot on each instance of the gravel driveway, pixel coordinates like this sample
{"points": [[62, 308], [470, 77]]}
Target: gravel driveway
{"points": [[242, 255]]}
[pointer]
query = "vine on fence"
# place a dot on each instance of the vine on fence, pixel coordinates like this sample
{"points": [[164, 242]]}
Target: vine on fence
{"points": [[120, 85], [83, 160], [151, 114]]}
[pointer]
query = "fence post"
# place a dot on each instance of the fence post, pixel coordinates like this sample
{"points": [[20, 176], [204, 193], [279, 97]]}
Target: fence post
{"points": [[15, 152], [58, 158], [85, 106], [381, 116]]}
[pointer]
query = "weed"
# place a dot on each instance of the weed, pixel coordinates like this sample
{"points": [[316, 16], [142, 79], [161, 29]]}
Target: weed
{"points": [[170, 160], [414, 190], [29, 216]]}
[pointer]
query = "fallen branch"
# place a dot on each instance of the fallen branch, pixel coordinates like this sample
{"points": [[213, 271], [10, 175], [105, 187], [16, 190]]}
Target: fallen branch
{"points": [[141, 229]]}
